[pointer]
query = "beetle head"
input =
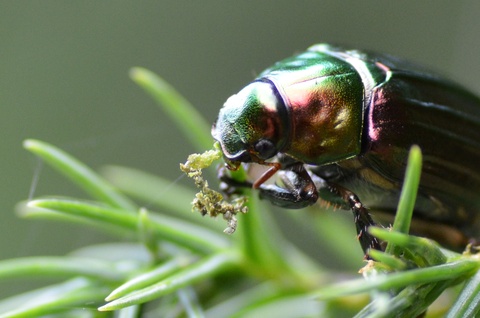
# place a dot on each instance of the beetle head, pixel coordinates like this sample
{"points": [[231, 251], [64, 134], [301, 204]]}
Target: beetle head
{"points": [[252, 126]]}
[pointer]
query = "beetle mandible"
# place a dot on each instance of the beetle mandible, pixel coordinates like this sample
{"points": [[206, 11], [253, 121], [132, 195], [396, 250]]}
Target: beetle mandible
{"points": [[337, 124]]}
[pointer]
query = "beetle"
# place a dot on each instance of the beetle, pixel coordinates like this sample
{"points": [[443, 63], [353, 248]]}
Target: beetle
{"points": [[336, 124]]}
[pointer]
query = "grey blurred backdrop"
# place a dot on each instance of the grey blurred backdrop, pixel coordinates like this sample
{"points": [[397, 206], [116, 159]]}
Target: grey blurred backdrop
{"points": [[64, 77]]}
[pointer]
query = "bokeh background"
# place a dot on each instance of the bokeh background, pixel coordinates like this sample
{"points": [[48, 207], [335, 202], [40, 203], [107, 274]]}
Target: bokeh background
{"points": [[64, 78]]}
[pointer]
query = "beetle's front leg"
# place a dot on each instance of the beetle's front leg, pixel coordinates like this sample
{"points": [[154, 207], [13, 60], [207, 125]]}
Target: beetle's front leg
{"points": [[228, 185], [297, 190]]}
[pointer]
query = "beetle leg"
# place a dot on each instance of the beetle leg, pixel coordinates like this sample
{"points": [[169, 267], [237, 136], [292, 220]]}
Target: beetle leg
{"points": [[274, 167], [297, 189], [228, 185], [362, 218]]}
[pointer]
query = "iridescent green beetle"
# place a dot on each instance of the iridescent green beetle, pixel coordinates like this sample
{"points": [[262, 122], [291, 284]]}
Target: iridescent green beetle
{"points": [[337, 124]]}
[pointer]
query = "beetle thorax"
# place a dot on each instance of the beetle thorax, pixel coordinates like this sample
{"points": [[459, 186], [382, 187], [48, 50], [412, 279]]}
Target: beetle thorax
{"points": [[326, 115]]}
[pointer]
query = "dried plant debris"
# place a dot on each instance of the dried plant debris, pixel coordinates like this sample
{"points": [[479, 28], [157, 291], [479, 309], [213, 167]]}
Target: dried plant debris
{"points": [[208, 201]]}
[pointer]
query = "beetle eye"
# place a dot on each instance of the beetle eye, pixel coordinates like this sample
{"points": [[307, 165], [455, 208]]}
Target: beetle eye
{"points": [[265, 149]]}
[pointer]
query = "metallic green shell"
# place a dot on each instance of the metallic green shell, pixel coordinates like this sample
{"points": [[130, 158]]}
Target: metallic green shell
{"points": [[319, 116]]}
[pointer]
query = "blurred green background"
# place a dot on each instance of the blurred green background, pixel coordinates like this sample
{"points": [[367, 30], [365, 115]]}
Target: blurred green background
{"points": [[64, 78]]}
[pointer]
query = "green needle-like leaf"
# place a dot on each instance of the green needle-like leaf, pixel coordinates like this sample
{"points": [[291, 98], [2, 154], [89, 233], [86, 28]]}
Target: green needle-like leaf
{"points": [[182, 113], [60, 267], [449, 271], [173, 198], [186, 234], [408, 195], [468, 302], [149, 278], [283, 305], [389, 260], [147, 233], [53, 299], [424, 252], [79, 173], [242, 299], [189, 300], [129, 312], [406, 303], [151, 189], [203, 269]]}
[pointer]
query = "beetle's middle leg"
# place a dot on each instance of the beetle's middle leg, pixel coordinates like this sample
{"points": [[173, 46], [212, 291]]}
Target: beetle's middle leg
{"points": [[300, 189]]}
